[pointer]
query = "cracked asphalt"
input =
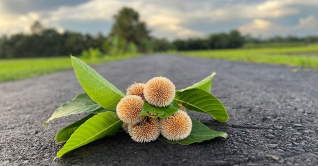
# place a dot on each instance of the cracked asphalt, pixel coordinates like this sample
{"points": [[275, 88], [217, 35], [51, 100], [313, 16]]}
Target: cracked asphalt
{"points": [[272, 109]]}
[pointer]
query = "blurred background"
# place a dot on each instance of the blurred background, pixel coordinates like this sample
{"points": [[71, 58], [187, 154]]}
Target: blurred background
{"points": [[38, 36]]}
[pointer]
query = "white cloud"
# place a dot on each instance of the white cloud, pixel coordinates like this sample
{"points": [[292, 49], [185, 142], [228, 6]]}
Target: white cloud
{"points": [[12, 23], [258, 27], [266, 28], [308, 23], [161, 19], [274, 9]]}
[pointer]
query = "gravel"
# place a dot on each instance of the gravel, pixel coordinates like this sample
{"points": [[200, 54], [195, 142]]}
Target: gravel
{"points": [[272, 109]]}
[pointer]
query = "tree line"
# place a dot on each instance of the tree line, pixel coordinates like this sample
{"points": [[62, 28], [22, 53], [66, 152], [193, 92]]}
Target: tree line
{"points": [[128, 35]]}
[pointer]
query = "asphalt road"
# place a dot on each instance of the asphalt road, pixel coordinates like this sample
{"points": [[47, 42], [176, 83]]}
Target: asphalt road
{"points": [[272, 109]]}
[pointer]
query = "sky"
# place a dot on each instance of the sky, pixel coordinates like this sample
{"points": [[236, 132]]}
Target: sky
{"points": [[170, 19]]}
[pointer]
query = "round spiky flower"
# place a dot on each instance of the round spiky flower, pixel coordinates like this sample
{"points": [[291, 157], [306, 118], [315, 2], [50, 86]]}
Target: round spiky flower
{"points": [[145, 131], [129, 108], [176, 127], [159, 91], [136, 89]]}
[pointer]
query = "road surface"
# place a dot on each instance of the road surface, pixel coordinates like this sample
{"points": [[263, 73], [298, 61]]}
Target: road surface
{"points": [[272, 109]]}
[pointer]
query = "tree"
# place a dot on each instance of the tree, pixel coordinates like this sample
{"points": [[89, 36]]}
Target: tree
{"points": [[127, 26], [37, 28]]}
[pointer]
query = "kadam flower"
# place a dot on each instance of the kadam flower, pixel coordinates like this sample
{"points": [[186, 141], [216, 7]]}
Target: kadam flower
{"points": [[176, 127], [129, 108], [136, 89], [145, 131], [159, 91]]}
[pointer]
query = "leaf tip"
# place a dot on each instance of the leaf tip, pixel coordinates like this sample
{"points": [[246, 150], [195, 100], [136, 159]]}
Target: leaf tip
{"points": [[44, 124], [73, 58], [225, 136], [58, 154]]}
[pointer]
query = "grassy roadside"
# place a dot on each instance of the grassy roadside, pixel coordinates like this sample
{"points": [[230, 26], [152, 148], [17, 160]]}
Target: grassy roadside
{"points": [[16, 69], [304, 56]]}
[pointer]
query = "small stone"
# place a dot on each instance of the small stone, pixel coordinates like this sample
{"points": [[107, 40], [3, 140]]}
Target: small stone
{"points": [[272, 145], [279, 127], [270, 136], [295, 143], [274, 157], [298, 125]]}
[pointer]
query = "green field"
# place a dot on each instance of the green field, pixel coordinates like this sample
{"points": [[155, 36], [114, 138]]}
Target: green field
{"points": [[16, 69], [301, 56], [274, 45]]}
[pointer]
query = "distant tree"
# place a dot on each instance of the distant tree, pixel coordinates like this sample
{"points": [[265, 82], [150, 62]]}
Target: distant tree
{"points": [[179, 44], [37, 28], [127, 26], [236, 40], [161, 44], [48, 42]]}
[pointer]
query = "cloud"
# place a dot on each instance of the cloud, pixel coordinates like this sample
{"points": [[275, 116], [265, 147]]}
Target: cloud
{"points": [[266, 28], [258, 27], [13, 23], [274, 9], [308, 23], [162, 19]]}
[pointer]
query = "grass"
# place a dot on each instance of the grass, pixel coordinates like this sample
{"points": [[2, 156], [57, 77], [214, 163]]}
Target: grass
{"points": [[16, 69], [274, 45], [302, 56]]}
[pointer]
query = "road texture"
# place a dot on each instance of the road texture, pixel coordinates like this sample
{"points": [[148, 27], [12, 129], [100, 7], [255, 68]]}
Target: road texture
{"points": [[272, 109]]}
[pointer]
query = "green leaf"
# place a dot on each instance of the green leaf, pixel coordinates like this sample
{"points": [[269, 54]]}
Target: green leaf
{"points": [[201, 101], [80, 104], [204, 84], [98, 88], [100, 125], [159, 112], [64, 134], [199, 133]]}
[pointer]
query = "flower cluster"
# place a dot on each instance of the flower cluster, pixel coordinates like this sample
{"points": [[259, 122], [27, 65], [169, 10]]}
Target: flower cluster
{"points": [[159, 92]]}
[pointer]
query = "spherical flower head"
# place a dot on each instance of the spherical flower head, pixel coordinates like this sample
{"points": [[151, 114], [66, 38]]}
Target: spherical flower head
{"points": [[129, 108], [136, 89], [145, 131], [176, 127], [159, 91]]}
